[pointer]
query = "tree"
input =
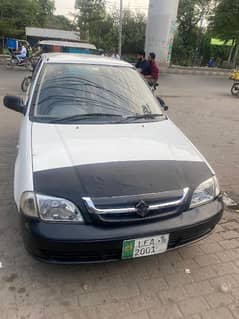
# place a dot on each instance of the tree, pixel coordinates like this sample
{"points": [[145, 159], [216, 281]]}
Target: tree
{"points": [[91, 14], [45, 10], [59, 22], [189, 37], [15, 15], [225, 25], [100, 27], [134, 27], [105, 36]]}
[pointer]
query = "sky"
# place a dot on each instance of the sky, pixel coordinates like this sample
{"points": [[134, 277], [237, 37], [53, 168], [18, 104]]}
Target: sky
{"points": [[65, 7]]}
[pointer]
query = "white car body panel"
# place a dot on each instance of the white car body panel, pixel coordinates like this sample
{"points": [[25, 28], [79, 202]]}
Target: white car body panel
{"points": [[23, 180], [56, 146]]}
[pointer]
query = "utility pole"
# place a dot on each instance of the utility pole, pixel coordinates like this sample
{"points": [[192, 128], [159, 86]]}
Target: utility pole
{"points": [[120, 28]]}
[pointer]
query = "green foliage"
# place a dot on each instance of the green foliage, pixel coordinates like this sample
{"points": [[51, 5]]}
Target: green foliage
{"points": [[191, 33], [91, 15], [15, 15], [182, 54], [101, 27], [134, 26], [59, 22], [225, 25], [45, 9], [225, 22], [106, 34]]}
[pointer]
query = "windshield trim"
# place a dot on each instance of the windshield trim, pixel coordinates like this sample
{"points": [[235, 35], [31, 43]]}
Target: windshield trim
{"points": [[99, 122]]}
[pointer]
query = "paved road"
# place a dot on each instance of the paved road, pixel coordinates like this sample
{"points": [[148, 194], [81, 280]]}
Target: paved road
{"points": [[198, 282], [205, 110]]}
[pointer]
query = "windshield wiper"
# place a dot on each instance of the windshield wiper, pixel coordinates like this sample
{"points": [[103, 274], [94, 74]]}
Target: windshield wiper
{"points": [[147, 116], [80, 117]]}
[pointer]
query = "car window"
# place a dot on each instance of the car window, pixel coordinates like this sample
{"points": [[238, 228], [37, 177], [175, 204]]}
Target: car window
{"points": [[73, 89]]}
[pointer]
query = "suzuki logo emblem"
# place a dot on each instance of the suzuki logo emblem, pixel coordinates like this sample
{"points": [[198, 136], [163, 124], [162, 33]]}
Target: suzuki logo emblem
{"points": [[142, 209]]}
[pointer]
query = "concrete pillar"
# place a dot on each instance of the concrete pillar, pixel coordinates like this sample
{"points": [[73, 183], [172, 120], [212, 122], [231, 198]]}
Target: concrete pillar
{"points": [[160, 30]]}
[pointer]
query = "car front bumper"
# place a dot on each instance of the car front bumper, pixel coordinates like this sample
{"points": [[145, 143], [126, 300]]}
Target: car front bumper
{"points": [[88, 243]]}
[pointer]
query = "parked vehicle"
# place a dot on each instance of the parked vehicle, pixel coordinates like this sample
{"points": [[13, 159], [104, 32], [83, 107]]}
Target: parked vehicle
{"points": [[66, 47], [235, 87], [102, 173]]}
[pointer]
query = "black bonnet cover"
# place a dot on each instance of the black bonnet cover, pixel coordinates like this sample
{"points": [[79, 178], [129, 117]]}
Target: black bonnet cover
{"points": [[120, 178]]}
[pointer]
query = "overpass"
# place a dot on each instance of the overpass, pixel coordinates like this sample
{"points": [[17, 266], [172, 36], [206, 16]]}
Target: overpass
{"points": [[162, 17]]}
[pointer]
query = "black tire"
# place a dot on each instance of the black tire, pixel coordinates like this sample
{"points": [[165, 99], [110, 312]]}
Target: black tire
{"points": [[25, 83], [14, 61], [235, 89]]}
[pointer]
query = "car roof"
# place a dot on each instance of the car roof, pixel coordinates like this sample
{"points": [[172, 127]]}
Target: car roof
{"points": [[81, 45], [83, 59]]}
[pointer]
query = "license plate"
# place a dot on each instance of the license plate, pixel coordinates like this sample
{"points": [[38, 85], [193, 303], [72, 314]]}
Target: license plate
{"points": [[142, 247]]}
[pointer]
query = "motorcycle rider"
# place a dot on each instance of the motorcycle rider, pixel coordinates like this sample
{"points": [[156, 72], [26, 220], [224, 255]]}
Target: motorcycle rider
{"points": [[154, 70], [23, 53], [142, 64], [153, 76]]}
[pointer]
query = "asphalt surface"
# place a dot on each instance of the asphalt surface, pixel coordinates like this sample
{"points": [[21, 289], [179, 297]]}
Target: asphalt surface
{"points": [[198, 282], [204, 109]]}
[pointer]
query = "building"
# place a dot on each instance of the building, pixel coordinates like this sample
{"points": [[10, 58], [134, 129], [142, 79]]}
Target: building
{"points": [[38, 34]]}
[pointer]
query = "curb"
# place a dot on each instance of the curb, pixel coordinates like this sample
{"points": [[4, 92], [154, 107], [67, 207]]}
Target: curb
{"points": [[198, 71]]}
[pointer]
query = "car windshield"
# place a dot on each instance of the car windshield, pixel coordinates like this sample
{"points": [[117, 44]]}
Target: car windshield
{"points": [[81, 92]]}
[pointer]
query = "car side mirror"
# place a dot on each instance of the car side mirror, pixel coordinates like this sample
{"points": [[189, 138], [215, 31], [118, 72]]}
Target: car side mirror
{"points": [[14, 103], [162, 103]]}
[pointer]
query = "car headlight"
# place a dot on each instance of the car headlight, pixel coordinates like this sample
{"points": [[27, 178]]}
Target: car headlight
{"points": [[205, 192], [48, 208]]}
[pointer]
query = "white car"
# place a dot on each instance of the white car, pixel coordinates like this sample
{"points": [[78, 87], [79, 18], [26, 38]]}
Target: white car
{"points": [[102, 173]]}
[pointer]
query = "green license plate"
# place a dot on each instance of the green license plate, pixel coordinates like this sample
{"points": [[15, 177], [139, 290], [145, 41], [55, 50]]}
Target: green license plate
{"points": [[142, 247]]}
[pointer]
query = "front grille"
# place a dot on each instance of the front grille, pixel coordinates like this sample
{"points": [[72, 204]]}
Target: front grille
{"points": [[137, 208], [83, 252], [81, 257]]}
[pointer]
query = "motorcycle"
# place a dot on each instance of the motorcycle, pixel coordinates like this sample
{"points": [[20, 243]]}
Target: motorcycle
{"points": [[153, 86], [26, 62], [28, 78], [235, 87], [26, 82]]}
